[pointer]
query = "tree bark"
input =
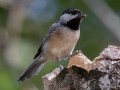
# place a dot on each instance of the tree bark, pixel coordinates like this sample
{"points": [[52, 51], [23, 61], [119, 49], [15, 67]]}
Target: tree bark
{"points": [[82, 74]]}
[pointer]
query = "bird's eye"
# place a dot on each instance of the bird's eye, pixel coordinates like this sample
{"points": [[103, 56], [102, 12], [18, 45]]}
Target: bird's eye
{"points": [[73, 12]]}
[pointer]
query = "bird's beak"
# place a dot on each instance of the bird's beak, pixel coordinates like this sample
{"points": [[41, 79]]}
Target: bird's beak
{"points": [[82, 15]]}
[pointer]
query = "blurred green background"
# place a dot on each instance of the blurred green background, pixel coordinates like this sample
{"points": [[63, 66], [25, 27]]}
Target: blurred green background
{"points": [[24, 23]]}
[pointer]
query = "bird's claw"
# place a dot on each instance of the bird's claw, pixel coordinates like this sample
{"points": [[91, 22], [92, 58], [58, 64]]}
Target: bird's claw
{"points": [[61, 67], [74, 53]]}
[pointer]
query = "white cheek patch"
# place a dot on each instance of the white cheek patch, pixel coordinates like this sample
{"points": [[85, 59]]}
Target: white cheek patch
{"points": [[67, 17]]}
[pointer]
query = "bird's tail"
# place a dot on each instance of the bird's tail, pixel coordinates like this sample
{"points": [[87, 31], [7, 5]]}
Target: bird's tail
{"points": [[33, 69]]}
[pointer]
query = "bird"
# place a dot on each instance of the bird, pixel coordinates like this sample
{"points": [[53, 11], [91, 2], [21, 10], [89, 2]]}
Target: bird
{"points": [[58, 43]]}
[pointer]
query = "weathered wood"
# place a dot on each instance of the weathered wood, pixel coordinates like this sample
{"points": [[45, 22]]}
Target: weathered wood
{"points": [[101, 74]]}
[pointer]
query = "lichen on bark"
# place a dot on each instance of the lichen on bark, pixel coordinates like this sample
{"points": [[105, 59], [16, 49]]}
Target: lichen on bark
{"points": [[101, 74]]}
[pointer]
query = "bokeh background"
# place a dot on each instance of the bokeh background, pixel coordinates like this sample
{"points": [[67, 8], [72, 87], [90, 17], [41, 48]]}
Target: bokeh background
{"points": [[24, 23]]}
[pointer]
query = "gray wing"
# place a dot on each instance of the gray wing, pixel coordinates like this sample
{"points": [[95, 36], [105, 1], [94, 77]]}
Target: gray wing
{"points": [[48, 35]]}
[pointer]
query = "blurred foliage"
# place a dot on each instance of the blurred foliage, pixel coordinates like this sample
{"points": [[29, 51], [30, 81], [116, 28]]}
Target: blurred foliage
{"points": [[18, 53]]}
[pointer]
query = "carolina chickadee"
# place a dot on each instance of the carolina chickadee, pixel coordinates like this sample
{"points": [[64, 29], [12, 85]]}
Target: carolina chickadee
{"points": [[58, 43]]}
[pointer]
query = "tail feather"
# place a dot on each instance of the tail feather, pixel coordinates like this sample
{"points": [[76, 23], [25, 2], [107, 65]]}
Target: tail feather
{"points": [[39, 68], [33, 69]]}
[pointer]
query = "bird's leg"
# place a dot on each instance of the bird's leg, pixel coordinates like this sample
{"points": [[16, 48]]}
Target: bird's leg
{"points": [[74, 53], [61, 67]]}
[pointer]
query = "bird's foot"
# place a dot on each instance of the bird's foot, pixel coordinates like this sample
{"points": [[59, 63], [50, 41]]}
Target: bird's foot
{"points": [[75, 53], [61, 67]]}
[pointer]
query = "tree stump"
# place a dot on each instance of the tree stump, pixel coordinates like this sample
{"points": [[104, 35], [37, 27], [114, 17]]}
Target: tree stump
{"points": [[83, 74]]}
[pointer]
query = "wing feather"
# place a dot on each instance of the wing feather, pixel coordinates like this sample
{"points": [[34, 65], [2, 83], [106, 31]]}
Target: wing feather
{"points": [[47, 37]]}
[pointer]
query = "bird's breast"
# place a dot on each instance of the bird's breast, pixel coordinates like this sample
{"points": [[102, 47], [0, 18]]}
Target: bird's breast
{"points": [[61, 43]]}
